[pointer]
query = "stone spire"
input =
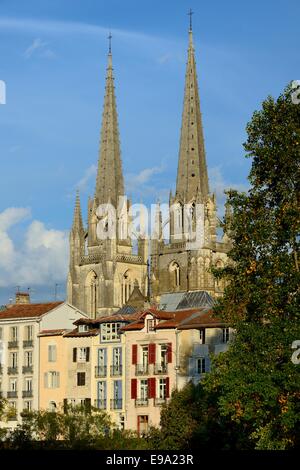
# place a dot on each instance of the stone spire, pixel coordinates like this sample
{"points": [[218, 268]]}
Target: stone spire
{"points": [[109, 183], [77, 226], [192, 170]]}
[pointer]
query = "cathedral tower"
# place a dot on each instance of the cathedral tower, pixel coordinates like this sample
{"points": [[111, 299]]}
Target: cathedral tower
{"points": [[104, 270], [183, 263]]}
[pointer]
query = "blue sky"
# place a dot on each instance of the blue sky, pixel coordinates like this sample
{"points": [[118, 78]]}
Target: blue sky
{"points": [[53, 60]]}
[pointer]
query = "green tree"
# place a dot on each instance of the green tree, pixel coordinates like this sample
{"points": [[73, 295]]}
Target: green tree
{"points": [[257, 381]]}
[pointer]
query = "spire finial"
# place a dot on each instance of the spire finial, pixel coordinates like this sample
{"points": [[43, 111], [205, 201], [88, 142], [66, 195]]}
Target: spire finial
{"points": [[109, 42], [190, 14]]}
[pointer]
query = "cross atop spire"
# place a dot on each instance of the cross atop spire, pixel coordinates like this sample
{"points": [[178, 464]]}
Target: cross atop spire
{"points": [[109, 183], [190, 14], [192, 170], [109, 37]]}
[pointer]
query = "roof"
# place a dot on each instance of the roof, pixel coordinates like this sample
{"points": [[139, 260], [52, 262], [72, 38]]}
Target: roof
{"points": [[204, 319], [75, 333], [176, 319], [52, 332], [28, 310], [126, 309], [184, 300]]}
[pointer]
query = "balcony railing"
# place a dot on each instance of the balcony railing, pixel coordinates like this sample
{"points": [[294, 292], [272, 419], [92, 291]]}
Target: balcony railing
{"points": [[100, 371], [12, 370], [27, 369], [160, 368], [100, 404], [116, 404], [141, 369], [13, 344], [12, 394], [116, 370], [141, 402], [28, 343], [27, 394], [12, 416], [159, 401]]}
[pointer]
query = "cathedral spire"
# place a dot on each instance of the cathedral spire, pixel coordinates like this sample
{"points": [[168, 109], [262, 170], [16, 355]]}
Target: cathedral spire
{"points": [[77, 219], [192, 170], [109, 183]]}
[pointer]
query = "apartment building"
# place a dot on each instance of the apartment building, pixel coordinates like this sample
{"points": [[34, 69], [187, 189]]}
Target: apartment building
{"points": [[164, 351], [20, 325]]}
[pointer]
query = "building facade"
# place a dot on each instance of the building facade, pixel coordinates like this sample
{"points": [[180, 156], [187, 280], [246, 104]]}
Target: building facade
{"points": [[20, 325]]}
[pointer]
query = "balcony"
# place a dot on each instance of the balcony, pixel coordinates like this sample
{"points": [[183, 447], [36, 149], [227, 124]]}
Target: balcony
{"points": [[141, 369], [12, 370], [100, 371], [116, 404], [27, 394], [100, 404], [12, 394], [160, 369], [159, 401], [27, 369], [13, 344], [115, 370], [28, 343], [141, 402]]}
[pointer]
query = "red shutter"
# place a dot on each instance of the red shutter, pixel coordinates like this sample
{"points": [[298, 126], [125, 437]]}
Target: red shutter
{"points": [[169, 353], [167, 387], [151, 388], [151, 353], [134, 388], [134, 354]]}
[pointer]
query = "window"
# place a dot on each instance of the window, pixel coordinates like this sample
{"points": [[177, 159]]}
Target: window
{"points": [[144, 389], [52, 353], [28, 385], [225, 335], [175, 273], [51, 379], [202, 336], [102, 390], [13, 385], [150, 325], [1, 334], [109, 331], [13, 360], [117, 356], [14, 333], [28, 405], [28, 333], [142, 422], [102, 357], [162, 388], [163, 354], [83, 354], [83, 328], [145, 355], [28, 359], [52, 406], [200, 365], [80, 379]]}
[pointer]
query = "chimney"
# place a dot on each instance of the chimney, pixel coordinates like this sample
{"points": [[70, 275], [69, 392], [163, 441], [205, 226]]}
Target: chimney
{"points": [[22, 298]]}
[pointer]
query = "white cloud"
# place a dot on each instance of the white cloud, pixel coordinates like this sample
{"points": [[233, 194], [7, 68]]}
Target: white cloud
{"points": [[218, 185], [134, 181], [38, 47], [40, 258], [89, 173]]}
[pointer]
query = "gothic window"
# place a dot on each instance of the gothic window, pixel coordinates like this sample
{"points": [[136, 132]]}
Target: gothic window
{"points": [[126, 286], [91, 287], [175, 274]]}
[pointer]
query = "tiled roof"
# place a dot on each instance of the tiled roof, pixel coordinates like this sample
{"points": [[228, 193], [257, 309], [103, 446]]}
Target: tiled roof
{"points": [[78, 334], [184, 300], [202, 319], [52, 332], [28, 310], [177, 317]]}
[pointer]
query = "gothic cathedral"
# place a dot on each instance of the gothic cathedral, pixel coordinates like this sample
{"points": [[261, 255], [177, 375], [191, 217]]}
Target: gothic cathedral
{"points": [[103, 272]]}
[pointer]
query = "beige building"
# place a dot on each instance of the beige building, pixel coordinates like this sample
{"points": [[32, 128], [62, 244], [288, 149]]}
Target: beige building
{"points": [[20, 325], [164, 351]]}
